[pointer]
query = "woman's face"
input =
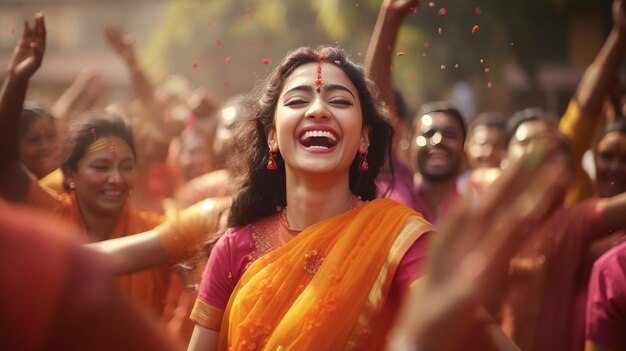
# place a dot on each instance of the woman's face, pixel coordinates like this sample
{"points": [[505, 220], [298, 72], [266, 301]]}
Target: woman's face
{"points": [[318, 126], [610, 159], [105, 176], [39, 147]]}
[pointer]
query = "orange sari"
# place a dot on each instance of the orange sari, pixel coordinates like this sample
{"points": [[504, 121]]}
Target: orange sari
{"points": [[328, 287], [149, 287]]}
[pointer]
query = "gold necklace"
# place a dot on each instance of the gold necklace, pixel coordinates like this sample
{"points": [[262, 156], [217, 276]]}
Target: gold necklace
{"points": [[285, 221]]}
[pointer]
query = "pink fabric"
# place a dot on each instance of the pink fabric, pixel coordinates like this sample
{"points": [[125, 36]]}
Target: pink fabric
{"points": [[436, 217], [542, 298], [606, 304], [403, 189], [234, 252]]}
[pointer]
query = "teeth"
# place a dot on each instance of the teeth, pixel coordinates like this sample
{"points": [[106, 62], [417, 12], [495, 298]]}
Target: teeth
{"points": [[113, 192], [318, 133]]}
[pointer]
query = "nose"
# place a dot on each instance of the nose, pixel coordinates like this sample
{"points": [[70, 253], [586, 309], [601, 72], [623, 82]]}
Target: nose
{"points": [[317, 110], [115, 177]]}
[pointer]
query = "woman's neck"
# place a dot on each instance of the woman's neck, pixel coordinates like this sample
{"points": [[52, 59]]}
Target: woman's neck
{"points": [[98, 227], [313, 199]]}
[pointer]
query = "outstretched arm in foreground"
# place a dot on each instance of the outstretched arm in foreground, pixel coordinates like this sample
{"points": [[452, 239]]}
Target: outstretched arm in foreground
{"points": [[467, 260]]}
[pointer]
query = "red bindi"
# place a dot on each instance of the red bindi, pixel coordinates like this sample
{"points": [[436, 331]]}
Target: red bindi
{"points": [[318, 80]]}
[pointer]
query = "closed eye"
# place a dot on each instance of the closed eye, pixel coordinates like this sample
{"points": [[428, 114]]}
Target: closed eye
{"points": [[295, 101], [99, 167], [341, 101]]}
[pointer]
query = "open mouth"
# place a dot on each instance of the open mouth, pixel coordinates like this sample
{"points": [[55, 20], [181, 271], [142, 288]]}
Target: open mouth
{"points": [[318, 139], [112, 193]]}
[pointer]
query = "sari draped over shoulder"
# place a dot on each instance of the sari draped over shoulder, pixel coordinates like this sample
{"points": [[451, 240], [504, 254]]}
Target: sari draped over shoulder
{"points": [[147, 288], [328, 287]]}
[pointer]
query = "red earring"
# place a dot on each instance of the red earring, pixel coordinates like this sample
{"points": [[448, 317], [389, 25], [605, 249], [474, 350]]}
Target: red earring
{"points": [[363, 165], [271, 163]]}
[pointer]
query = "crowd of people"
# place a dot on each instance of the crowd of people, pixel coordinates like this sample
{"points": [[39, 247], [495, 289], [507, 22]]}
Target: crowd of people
{"points": [[288, 218]]}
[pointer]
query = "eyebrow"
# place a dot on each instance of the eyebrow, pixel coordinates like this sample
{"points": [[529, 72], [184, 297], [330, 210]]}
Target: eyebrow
{"points": [[101, 158], [326, 87]]}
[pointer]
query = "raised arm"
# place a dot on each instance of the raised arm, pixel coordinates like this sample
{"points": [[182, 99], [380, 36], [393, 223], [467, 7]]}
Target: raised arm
{"points": [[25, 61], [596, 82], [81, 96], [124, 47], [378, 58]]}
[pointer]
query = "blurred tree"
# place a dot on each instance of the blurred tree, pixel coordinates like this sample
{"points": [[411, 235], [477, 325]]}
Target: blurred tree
{"points": [[227, 45]]}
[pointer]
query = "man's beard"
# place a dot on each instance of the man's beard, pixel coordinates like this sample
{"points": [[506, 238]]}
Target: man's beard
{"points": [[436, 177]]}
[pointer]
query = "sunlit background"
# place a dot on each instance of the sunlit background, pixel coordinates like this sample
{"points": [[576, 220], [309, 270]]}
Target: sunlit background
{"points": [[522, 53]]}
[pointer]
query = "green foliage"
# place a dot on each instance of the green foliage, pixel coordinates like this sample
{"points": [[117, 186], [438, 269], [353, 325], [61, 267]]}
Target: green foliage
{"points": [[251, 30]]}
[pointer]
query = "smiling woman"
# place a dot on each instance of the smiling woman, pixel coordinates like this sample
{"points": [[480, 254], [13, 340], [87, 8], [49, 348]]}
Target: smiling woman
{"points": [[98, 166], [305, 242]]}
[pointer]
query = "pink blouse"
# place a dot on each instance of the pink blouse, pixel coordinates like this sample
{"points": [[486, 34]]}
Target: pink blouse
{"points": [[241, 246]]}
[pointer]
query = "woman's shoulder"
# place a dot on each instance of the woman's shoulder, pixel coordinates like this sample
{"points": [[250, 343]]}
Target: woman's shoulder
{"points": [[385, 204]]}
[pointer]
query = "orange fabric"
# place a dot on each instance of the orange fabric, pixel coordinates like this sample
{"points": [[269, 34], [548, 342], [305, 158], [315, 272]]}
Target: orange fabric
{"points": [[149, 287], [54, 181], [185, 232], [328, 287], [579, 130]]}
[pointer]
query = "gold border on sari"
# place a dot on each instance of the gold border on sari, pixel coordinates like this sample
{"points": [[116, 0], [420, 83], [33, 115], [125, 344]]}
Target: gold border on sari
{"points": [[413, 229], [206, 315]]}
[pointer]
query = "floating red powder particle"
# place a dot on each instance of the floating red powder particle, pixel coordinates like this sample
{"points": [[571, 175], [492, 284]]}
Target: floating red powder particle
{"points": [[415, 9], [442, 66], [247, 10], [266, 61], [439, 30], [478, 10], [482, 61], [194, 64], [226, 82], [400, 53], [442, 11], [218, 42], [475, 28], [489, 85], [228, 60], [431, 4], [487, 70], [457, 66], [426, 45]]}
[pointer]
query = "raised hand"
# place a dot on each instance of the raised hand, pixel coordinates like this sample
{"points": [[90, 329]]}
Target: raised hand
{"points": [[618, 11], [401, 5], [122, 44], [28, 53], [202, 103]]}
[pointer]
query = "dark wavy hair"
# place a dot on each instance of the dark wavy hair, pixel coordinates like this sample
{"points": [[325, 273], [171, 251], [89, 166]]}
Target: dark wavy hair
{"points": [[79, 135], [262, 192]]}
